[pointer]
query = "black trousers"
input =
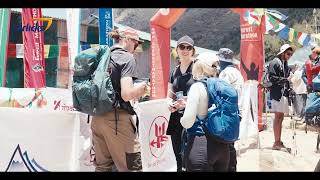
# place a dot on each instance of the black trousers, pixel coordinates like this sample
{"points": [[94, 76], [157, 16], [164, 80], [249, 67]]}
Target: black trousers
{"points": [[233, 159], [177, 148], [218, 155], [195, 157]]}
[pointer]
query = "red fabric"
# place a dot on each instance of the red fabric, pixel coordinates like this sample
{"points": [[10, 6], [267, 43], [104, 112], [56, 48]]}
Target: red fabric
{"points": [[160, 61], [160, 25], [64, 51], [315, 70], [308, 65], [33, 41], [167, 20], [12, 51]]}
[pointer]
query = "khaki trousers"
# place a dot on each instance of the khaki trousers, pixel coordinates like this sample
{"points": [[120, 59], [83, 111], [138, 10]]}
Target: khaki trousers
{"points": [[121, 149]]}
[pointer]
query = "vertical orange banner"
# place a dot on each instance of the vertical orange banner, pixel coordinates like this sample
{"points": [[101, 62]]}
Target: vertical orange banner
{"points": [[252, 29], [160, 25], [160, 61]]}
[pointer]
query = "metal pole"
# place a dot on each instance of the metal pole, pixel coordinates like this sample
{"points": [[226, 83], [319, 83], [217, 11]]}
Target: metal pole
{"points": [[315, 22]]}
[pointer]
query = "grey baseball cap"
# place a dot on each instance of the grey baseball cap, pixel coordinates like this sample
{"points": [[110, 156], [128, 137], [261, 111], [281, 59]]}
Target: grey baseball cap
{"points": [[185, 39]]}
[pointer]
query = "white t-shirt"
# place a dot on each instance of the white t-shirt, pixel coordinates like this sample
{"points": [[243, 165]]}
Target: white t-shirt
{"points": [[234, 77], [298, 85]]}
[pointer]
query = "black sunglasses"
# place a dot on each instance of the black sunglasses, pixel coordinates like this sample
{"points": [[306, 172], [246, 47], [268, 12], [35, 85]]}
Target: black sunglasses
{"points": [[183, 47], [136, 43], [289, 54]]}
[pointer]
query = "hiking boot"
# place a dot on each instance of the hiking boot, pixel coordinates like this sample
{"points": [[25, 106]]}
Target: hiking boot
{"points": [[279, 146]]}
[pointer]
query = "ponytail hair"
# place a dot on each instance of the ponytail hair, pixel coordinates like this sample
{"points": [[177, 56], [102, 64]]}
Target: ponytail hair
{"points": [[114, 34]]}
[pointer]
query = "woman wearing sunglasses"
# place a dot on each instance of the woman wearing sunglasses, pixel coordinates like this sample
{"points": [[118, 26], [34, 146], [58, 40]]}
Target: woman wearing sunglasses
{"points": [[179, 84]]}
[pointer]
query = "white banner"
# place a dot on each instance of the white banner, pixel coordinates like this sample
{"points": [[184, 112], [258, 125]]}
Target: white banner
{"points": [[73, 33], [47, 99], [38, 140], [249, 121], [44, 98], [156, 147]]}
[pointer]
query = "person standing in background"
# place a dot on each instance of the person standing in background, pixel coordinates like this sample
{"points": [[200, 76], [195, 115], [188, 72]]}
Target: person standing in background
{"points": [[233, 76], [300, 88]]}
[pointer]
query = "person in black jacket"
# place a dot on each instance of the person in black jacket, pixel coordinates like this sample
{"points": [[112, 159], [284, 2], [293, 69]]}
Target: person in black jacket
{"points": [[279, 91]]}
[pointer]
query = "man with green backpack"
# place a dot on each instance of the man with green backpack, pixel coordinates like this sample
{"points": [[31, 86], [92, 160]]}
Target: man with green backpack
{"points": [[105, 94]]}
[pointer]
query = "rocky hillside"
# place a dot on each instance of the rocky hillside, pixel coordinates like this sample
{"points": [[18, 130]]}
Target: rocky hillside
{"points": [[210, 28]]}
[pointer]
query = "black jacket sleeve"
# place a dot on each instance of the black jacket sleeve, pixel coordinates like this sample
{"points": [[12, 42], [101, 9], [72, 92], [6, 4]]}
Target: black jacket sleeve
{"points": [[274, 72], [304, 75]]}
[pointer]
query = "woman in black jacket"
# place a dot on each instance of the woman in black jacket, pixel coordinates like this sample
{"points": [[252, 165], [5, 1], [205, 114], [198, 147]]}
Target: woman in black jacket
{"points": [[179, 84]]}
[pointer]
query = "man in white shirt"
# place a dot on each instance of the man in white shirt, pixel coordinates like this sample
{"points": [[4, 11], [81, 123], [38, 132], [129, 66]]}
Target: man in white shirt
{"points": [[300, 88], [230, 73]]}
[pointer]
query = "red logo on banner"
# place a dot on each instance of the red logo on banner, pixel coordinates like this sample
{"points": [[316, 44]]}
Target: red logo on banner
{"points": [[157, 136], [62, 106], [56, 104]]}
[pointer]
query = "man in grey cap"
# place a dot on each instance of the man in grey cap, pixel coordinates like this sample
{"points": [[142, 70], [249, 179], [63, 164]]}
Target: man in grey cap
{"points": [[230, 74], [225, 57], [228, 70]]}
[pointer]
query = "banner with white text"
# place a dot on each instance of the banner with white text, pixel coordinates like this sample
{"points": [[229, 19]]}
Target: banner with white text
{"points": [[33, 41]]}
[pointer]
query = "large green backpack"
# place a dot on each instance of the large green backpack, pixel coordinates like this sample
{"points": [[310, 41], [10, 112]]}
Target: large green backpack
{"points": [[92, 89]]}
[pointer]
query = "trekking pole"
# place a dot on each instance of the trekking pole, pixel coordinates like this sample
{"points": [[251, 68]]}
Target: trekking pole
{"points": [[318, 141], [294, 140], [266, 97]]}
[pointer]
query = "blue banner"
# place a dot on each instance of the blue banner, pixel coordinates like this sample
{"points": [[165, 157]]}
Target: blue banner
{"points": [[105, 26]]}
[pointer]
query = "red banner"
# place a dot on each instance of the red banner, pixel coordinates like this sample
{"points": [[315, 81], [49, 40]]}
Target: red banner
{"points": [[160, 61], [160, 25], [33, 40], [252, 53]]}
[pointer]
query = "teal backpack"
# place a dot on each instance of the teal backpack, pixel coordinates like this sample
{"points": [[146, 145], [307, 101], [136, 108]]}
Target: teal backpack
{"points": [[223, 122], [92, 89]]}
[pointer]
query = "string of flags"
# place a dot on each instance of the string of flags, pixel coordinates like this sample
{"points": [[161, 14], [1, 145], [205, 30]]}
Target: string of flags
{"points": [[50, 51], [54, 51], [254, 16], [274, 23], [285, 32]]}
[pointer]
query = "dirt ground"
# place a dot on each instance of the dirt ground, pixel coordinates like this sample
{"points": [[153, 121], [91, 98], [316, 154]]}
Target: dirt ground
{"points": [[251, 157]]}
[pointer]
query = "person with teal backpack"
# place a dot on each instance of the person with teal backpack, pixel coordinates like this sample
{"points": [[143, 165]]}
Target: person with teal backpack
{"points": [[107, 75], [92, 89], [211, 112]]}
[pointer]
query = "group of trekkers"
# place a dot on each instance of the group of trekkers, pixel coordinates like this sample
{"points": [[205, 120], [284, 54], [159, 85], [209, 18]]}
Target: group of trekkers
{"points": [[117, 144]]}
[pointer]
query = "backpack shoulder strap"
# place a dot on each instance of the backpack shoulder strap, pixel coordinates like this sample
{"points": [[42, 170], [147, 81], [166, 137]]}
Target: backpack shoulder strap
{"points": [[175, 70], [205, 83], [215, 96], [105, 58]]}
